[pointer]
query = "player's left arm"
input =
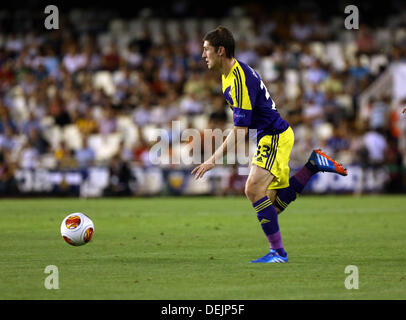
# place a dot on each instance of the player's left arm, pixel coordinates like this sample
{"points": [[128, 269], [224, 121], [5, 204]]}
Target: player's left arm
{"points": [[210, 163]]}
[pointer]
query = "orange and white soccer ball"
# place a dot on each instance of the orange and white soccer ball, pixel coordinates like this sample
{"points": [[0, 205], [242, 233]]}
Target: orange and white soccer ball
{"points": [[77, 229]]}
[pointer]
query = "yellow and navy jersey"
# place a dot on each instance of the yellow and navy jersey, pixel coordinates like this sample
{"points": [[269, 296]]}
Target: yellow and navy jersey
{"points": [[251, 102]]}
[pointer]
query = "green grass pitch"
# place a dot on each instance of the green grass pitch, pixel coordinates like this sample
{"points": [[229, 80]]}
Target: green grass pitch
{"points": [[200, 248]]}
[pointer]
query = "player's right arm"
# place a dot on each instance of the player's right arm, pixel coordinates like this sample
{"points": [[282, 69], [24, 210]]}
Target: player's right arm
{"points": [[237, 95], [210, 163]]}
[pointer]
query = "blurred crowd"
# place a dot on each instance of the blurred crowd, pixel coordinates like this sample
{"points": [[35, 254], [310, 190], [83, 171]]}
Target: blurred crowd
{"points": [[94, 91]]}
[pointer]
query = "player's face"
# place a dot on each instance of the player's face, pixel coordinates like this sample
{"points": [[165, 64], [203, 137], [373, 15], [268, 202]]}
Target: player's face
{"points": [[210, 55]]}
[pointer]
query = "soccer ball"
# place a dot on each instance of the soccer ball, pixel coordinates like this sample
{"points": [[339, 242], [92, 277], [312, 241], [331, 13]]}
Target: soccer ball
{"points": [[77, 229]]}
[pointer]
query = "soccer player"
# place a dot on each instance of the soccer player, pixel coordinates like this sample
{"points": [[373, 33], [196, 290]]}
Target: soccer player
{"points": [[268, 186]]}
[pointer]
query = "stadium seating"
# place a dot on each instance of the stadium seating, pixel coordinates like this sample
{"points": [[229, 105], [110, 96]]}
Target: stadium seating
{"points": [[288, 69]]}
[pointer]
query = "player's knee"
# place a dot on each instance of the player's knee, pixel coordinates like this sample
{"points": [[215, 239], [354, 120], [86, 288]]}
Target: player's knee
{"points": [[248, 192], [253, 192]]}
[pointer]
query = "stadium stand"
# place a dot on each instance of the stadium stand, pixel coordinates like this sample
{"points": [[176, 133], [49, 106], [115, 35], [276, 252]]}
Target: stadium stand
{"points": [[107, 83]]}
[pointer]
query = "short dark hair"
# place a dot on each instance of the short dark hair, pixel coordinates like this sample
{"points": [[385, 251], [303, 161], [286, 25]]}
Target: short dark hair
{"points": [[223, 37]]}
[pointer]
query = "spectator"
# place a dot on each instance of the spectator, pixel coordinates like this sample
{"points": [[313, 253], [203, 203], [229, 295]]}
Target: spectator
{"points": [[190, 105], [6, 119], [85, 155], [315, 94], [301, 30], [65, 157], [365, 40], [164, 113], [28, 157], [379, 113], [236, 183], [142, 114], [50, 61], [73, 60], [333, 112], [58, 111], [108, 122], [8, 141], [247, 54], [218, 116], [32, 123], [125, 152], [357, 70], [315, 74], [110, 60], [132, 56], [313, 113], [8, 182], [37, 140], [121, 178], [339, 141], [141, 152], [332, 84], [376, 145], [7, 74], [86, 123]]}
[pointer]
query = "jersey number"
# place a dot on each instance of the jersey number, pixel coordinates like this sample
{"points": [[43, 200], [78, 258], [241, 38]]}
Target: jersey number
{"points": [[265, 152], [267, 95]]}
